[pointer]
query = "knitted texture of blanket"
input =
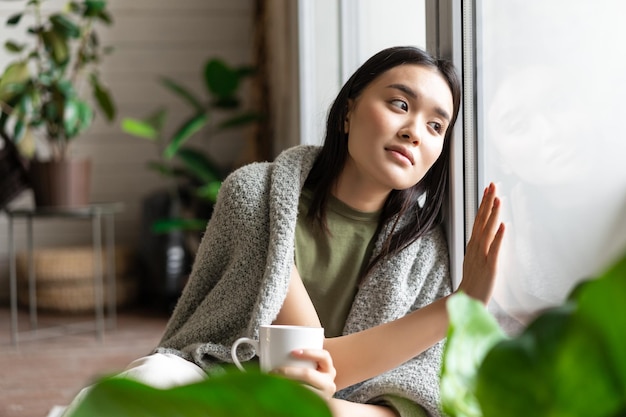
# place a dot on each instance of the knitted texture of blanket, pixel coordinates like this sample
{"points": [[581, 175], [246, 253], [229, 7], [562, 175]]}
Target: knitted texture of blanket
{"points": [[241, 275]]}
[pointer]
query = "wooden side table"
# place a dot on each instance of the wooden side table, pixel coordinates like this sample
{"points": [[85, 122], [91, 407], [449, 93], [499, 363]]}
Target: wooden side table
{"points": [[100, 214]]}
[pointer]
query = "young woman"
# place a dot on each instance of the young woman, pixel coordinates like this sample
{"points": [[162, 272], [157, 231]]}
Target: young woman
{"points": [[346, 236]]}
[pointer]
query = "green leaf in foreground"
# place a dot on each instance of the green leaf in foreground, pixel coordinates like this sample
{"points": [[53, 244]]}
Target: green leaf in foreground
{"points": [[603, 303], [472, 332], [230, 395], [570, 361], [556, 367]]}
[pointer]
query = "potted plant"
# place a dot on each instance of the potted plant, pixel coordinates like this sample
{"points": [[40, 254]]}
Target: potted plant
{"points": [[43, 108], [569, 361], [189, 167], [176, 217]]}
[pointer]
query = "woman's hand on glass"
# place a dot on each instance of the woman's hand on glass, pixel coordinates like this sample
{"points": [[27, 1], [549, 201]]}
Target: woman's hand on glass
{"points": [[481, 255]]}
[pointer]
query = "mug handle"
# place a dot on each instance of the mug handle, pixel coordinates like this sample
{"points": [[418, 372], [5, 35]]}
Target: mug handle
{"points": [[233, 350]]}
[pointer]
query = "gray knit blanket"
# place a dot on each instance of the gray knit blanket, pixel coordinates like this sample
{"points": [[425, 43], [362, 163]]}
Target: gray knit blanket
{"points": [[241, 275]]}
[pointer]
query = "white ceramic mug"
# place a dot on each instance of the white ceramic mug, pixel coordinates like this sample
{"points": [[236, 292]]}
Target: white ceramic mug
{"points": [[276, 342]]}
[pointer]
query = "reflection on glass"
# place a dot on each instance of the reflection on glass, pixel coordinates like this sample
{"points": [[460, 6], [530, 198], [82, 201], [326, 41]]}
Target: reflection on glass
{"points": [[555, 143]]}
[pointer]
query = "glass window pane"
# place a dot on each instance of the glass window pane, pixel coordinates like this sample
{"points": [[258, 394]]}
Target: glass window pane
{"points": [[551, 83]]}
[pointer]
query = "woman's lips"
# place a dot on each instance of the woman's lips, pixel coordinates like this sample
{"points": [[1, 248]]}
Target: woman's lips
{"points": [[402, 153]]}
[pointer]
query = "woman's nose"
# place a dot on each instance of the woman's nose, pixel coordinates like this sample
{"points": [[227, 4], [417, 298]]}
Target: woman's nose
{"points": [[410, 133]]}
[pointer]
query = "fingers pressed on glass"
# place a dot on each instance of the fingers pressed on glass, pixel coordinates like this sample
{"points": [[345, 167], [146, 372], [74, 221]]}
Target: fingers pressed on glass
{"points": [[485, 208]]}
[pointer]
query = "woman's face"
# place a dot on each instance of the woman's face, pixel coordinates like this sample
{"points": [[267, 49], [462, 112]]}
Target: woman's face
{"points": [[541, 129], [396, 128]]}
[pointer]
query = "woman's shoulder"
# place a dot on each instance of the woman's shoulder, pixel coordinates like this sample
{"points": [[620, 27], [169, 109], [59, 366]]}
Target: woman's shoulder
{"points": [[245, 185], [254, 177], [253, 181]]}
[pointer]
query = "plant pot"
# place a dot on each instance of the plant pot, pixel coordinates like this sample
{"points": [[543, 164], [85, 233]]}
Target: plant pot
{"points": [[65, 183]]}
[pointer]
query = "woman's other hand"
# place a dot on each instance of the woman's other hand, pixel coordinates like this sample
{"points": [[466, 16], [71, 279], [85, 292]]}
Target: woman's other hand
{"points": [[481, 256], [321, 379]]}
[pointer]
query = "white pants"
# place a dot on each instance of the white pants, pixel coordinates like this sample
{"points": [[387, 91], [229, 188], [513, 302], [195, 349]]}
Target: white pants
{"points": [[160, 370], [163, 370]]}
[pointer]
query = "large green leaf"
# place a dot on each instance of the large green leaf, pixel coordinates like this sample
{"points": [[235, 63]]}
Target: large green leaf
{"points": [[77, 117], [85, 116], [471, 333], [19, 130], [139, 128], [603, 303], [557, 367], [187, 130], [148, 128], [14, 47], [103, 98], [105, 17], [221, 80], [183, 93], [13, 80], [26, 105], [569, 362], [199, 165], [13, 20], [94, 7], [248, 394], [57, 46], [64, 27], [71, 117]]}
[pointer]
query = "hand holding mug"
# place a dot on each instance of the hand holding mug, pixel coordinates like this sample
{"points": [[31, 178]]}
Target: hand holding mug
{"points": [[276, 344], [295, 352], [321, 380]]}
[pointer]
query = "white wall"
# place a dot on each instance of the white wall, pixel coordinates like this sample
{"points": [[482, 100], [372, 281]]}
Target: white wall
{"points": [[151, 38]]}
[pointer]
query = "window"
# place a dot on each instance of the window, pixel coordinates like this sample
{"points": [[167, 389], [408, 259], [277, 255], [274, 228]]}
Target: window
{"points": [[336, 37], [549, 89]]}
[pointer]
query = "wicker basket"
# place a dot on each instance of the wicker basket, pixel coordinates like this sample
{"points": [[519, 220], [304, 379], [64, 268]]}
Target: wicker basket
{"points": [[64, 278]]}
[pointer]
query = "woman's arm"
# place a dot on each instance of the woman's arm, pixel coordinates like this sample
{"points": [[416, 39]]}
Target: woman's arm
{"points": [[359, 356], [297, 308], [368, 353]]}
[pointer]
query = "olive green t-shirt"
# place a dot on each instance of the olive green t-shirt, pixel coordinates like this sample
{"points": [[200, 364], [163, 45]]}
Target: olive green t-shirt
{"points": [[330, 264]]}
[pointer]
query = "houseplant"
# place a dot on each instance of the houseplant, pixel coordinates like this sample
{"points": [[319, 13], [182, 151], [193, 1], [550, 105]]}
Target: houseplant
{"points": [[230, 394], [569, 361], [174, 218], [43, 108], [185, 166]]}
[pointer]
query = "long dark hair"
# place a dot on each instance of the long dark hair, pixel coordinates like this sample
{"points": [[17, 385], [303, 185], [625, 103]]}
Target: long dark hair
{"points": [[332, 157]]}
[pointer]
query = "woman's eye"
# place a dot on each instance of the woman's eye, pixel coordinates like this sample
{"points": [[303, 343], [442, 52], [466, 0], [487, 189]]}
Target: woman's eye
{"points": [[400, 104], [436, 126]]}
